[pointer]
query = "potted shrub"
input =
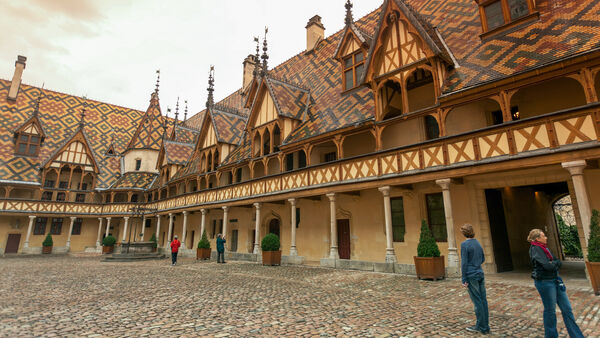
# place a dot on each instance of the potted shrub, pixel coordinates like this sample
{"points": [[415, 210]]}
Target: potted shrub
{"points": [[47, 244], [203, 250], [593, 257], [108, 244], [154, 242], [428, 262], [271, 255]]}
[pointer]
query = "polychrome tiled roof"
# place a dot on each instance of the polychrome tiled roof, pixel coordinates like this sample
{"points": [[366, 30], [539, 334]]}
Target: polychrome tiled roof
{"points": [[134, 180], [290, 100], [185, 134], [178, 153], [229, 124], [150, 131]]}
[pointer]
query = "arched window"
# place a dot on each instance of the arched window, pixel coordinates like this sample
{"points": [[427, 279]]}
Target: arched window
{"points": [[266, 142], [390, 100]]}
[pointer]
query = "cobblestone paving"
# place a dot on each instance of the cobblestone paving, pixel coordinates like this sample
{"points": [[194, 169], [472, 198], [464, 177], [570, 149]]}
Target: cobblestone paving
{"points": [[68, 296]]}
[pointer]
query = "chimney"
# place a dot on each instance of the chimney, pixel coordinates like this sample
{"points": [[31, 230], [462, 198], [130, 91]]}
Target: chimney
{"points": [[16, 80], [315, 32], [249, 63]]}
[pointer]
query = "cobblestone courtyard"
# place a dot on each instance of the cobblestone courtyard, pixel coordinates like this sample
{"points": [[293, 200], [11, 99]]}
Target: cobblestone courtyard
{"points": [[74, 296]]}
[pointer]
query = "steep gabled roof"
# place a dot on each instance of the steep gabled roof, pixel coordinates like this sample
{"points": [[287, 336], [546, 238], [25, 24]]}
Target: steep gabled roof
{"points": [[75, 149], [178, 153], [149, 132], [290, 100], [228, 123]]}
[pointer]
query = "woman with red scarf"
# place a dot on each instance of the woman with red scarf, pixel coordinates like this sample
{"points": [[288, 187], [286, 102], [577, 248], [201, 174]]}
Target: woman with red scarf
{"points": [[550, 286]]}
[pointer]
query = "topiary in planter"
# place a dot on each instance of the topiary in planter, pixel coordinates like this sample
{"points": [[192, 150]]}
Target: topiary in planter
{"points": [[427, 245], [270, 243], [594, 240], [204, 243], [48, 241], [109, 241], [154, 241]]}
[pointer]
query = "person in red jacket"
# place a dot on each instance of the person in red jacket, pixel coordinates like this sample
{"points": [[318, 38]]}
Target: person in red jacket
{"points": [[175, 244]]}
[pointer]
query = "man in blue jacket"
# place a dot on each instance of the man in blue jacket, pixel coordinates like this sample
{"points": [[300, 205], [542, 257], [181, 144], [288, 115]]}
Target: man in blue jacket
{"points": [[471, 254], [221, 248]]}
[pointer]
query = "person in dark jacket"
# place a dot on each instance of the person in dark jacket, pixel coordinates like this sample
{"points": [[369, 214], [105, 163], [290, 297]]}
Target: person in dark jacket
{"points": [[550, 286], [221, 248], [471, 256], [175, 244]]}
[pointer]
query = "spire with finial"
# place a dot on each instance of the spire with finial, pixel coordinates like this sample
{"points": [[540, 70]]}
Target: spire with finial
{"points": [[157, 80], [177, 111], [256, 71], [166, 123], [185, 111], [349, 19], [211, 83], [265, 56], [82, 120], [36, 110]]}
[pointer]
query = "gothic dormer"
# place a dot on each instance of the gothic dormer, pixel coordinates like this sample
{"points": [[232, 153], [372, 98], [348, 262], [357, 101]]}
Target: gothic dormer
{"points": [[30, 135], [498, 15]]}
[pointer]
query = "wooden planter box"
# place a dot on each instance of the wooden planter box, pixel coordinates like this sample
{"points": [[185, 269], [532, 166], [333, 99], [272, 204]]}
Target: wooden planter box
{"points": [[46, 249], [202, 253], [594, 271], [107, 249], [271, 257], [430, 267]]}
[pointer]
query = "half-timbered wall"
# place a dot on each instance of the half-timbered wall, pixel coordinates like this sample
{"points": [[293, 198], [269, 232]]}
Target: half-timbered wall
{"points": [[211, 138], [267, 111], [76, 154], [399, 48]]}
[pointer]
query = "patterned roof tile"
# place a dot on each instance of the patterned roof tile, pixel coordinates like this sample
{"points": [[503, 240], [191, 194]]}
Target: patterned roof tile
{"points": [[134, 180]]}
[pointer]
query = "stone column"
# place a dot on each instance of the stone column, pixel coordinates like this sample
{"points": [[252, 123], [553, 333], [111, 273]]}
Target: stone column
{"points": [[390, 255], [107, 226], [70, 232], [575, 168], [225, 221], [293, 250], [257, 230], [170, 230], [183, 235], [157, 228], [126, 223], [333, 251], [203, 222], [99, 232], [26, 244], [452, 252], [143, 228]]}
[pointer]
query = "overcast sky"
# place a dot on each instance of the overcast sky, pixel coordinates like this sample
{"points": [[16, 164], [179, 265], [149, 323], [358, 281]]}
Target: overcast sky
{"points": [[109, 50]]}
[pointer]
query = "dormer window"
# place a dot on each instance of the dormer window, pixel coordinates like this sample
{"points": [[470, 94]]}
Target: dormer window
{"points": [[353, 68], [138, 164], [497, 13], [27, 144]]}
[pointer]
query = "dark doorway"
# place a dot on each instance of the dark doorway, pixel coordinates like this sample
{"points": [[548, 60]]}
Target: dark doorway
{"points": [[234, 240], [253, 236], [191, 240], [498, 230], [343, 237], [12, 243], [274, 227]]}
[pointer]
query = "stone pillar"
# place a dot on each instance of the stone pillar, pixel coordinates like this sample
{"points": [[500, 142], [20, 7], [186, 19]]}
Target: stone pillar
{"points": [[183, 235], [333, 251], [143, 228], [452, 252], [126, 223], [203, 222], [257, 230], [107, 226], [70, 233], [293, 250], [26, 244], [575, 168], [157, 228], [390, 255], [170, 230], [225, 221], [99, 232]]}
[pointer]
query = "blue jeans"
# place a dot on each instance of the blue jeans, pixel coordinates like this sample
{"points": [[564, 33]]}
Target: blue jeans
{"points": [[477, 293], [220, 257], [551, 295]]}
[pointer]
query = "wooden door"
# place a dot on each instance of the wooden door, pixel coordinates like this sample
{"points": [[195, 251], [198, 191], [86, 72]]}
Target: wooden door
{"points": [[343, 237], [12, 243], [498, 230], [234, 240]]}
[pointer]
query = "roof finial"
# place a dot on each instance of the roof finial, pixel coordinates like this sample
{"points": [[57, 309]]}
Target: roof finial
{"points": [[82, 120], [177, 111], [185, 112], [349, 19], [157, 80], [265, 56], [211, 89], [36, 110], [256, 71]]}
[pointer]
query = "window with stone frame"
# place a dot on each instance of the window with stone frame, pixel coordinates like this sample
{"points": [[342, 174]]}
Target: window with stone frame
{"points": [[398, 224], [138, 164], [27, 144], [56, 226], [77, 226], [436, 216], [497, 13], [353, 66], [40, 226]]}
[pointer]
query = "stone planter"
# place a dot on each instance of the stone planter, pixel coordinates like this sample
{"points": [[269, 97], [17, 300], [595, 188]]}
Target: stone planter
{"points": [[203, 253], [271, 257], [107, 249], [430, 267], [593, 269], [46, 249]]}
